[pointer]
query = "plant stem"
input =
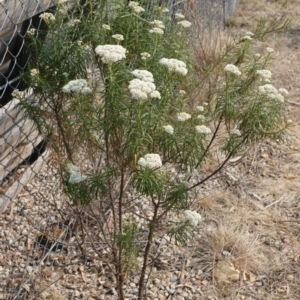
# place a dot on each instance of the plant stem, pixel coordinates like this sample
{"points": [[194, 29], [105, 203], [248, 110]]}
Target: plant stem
{"points": [[120, 274], [146, 253]]}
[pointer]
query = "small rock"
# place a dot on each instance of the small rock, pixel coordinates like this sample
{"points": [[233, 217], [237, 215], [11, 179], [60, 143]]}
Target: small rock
{"points": [[135, 291], [225, 271], [286, 240], [290, 277], [172, 291], [107, 285]]}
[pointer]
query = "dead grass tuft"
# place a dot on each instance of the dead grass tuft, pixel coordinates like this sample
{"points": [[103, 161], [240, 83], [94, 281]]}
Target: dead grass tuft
{"points": [[231, 241]]}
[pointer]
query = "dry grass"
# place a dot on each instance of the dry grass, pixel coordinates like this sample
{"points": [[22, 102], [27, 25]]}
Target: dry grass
{"points": [[252, 218]]}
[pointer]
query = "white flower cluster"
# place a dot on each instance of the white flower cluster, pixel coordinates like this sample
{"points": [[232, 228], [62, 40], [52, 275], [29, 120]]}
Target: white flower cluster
{"points": [[151, 160], [145, 55], [106, 27], [235, 131], [249, 33], [34, 72], [143, 87], [110, 53], [185, 24], [270, 91], [270, 50], [182, 92], [75, 175], [77, 86], [47, 16], [201, 118], [179, 16], [31, 31], [200, 108], [264, 74], [283, 91], [169, 129], [17, 94], [174, 65], [203, 129], [183, 116], [143, 75], [165, 10], [158, 23], [192, 217], [140, 89], [156, 30], [230, 68], [118, 37], [136, 7]]}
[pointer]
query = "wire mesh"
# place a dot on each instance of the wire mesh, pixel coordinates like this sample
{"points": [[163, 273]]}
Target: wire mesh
{"points": [[40, 239]]}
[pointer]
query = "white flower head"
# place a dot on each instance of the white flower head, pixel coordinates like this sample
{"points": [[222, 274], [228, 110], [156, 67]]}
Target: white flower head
{"points": [[270, 91], [236, 132], [257, 55], [185, 24], [110, 53], [203, 129], [230, 68], [165, 10], [155, 95], [179, 16], [192, 217], [31, 31], [47, 16], [201, 118], [140, 89], [77, 86], [249, 33], [77, 177], [145, 55], [289, 121], [151, 160], [118, 37], [86, 90], [105, 26], [17, 94], [182, 92], [143, 75], [183, 116], [34, 72], [270, 50], [200, 108], [174, 65], [283, 91], [169, 129], [158, 23], [156, 30], [135, 7], [133, 3], [264, 74]]}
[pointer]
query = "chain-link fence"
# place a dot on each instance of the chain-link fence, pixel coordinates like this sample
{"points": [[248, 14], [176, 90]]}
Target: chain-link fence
{"points": [[40, 238]]}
